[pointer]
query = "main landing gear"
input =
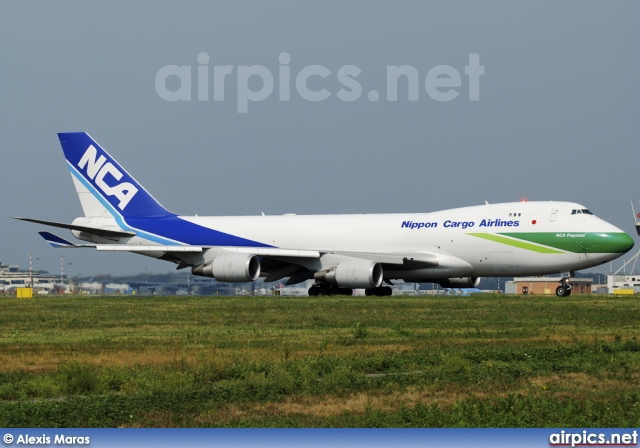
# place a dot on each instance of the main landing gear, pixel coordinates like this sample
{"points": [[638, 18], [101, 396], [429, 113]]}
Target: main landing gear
{"points": [[327, 289], [564, 289], [381, 291]]}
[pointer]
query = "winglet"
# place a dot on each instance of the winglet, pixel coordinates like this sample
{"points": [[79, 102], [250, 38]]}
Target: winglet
{"points": [[58, 242]]}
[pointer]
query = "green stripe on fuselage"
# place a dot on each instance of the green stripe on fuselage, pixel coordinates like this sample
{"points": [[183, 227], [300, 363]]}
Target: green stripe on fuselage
{"points": [[590, 242], [520, 243], [557, 242]]}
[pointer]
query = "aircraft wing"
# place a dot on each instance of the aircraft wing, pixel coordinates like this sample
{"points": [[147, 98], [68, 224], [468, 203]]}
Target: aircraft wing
{"points": [[413, 258], [276, 263], [272, 252], [259, 251], [133, 248], [280, 263], [278, 266]]}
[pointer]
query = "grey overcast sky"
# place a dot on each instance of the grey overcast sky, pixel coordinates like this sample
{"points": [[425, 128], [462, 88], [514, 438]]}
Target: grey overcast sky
{"points": [[558, 114]]}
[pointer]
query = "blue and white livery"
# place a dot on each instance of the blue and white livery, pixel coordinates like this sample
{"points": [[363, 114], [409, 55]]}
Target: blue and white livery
{"points": [[341, 252]]}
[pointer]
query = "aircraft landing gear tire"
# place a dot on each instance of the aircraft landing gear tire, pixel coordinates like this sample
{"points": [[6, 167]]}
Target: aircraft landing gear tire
{"points": [[325, 289], [319, 289], [381, 291], [344, 291], [563, 291]]}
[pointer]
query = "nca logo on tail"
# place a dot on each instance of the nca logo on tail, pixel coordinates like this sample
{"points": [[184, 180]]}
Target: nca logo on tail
{"points": [[97, 170]]}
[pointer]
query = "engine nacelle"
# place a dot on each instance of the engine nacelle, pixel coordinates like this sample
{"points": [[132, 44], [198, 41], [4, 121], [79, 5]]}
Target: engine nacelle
{"points": [[460, 282], [230, 268], [353, 274]]}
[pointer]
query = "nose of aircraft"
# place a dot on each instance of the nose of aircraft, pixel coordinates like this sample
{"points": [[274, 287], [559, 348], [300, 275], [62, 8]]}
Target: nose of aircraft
{"points": [[607, 242], [624, 242], [614, 242]]}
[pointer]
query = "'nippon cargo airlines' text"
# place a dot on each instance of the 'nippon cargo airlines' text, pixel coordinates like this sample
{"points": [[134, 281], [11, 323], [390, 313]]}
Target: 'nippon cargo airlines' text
{"points": [[459, 224]]}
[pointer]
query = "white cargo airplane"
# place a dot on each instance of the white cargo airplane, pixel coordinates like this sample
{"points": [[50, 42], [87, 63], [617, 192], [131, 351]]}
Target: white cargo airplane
{"points": [[452, 247]]}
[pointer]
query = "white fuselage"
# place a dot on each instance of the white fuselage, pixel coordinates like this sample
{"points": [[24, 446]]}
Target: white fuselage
{"points": [[451, 233]]}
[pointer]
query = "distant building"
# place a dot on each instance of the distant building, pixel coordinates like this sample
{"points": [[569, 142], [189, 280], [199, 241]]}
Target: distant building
{"points": [[546, 285], [12, 277], [623, 284]]}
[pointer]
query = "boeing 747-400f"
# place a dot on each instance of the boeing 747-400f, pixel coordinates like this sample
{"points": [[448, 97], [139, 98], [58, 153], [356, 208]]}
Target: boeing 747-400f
{"points": [[452, 247]]}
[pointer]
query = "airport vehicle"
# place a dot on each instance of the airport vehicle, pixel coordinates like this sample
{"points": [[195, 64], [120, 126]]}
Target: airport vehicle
{"points": [[341, 252]]}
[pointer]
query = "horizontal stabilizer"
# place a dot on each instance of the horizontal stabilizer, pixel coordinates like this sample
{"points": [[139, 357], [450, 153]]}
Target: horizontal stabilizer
{"points": [[58, 242], [90, 230]]}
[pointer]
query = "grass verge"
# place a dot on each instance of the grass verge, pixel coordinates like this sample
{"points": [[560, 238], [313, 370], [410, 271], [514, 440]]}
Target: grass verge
{"points": [[483, 360]]}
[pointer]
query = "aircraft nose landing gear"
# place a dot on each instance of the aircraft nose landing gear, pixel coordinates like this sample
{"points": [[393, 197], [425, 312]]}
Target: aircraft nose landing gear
{"points": [[564, 289]]}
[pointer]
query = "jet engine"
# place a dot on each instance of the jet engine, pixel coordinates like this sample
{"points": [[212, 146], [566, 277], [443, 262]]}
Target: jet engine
{"points": [[459, 282], [230, 268], [353, 274]]}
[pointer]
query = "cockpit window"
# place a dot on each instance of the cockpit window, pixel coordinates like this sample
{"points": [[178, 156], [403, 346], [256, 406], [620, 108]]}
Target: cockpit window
{"points": [[583, 211], [586, 212]]}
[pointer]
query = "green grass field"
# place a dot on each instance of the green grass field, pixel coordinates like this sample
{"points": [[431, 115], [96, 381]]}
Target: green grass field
{"points": [[478, 361]]}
